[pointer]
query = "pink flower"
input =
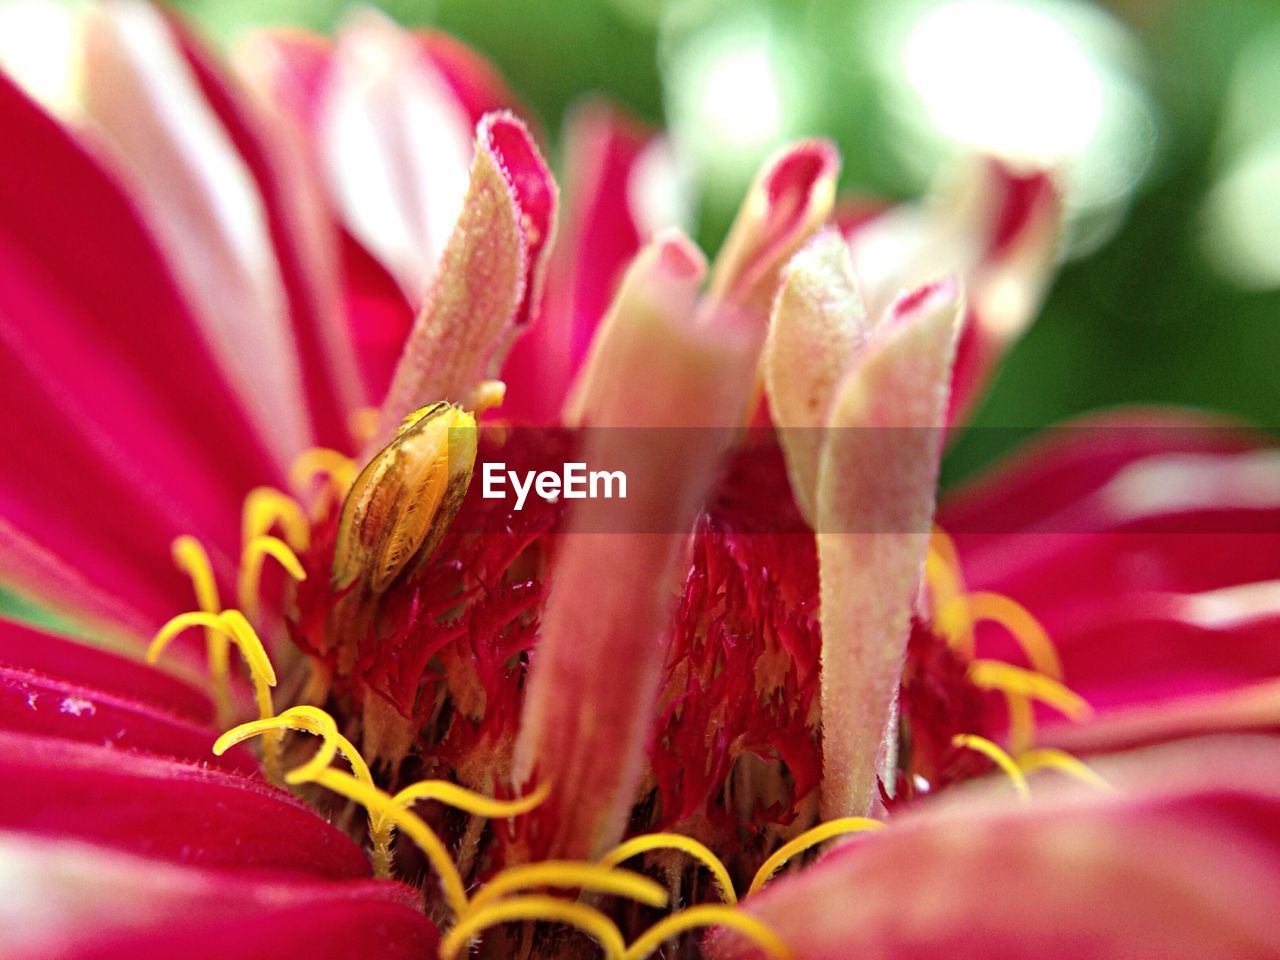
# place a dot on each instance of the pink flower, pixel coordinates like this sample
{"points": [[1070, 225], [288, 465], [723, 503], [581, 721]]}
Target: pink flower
{"points": [[213, 290]]}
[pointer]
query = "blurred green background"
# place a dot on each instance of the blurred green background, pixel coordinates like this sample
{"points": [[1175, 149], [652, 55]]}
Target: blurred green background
{"points": [[1166, 112]]}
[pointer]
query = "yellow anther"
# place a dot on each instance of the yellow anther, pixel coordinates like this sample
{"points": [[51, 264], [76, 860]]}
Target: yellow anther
{"points": [[305, 719], [191, 558], [233, 625], [1022, 626], [982, 745], [709, 915], [252, 556], [674, 841], [319, 462], [997, 675], [380, 805], [808, 839], [1048, 757], [267, 507], [486, 395], [571, 874], [536, 908], [401, 505]]}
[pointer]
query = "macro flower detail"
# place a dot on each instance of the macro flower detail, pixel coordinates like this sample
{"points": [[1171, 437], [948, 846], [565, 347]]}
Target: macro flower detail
{"points": [[277, 678]]}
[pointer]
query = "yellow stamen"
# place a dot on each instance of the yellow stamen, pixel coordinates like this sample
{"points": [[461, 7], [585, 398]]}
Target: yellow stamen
{"points": [[540, 908], [486, 395], [997, 675], [808, 839], [265, 508], [305, 719], [191, 558], [674, 841], [363, 424], [1022, 626], [319, 462], [476, 804], [255, 552], [233, 625], [946, 588], [1022, 722], [381, 805], [572, 874], [709, 915], [1048, 757], [997, 756]]}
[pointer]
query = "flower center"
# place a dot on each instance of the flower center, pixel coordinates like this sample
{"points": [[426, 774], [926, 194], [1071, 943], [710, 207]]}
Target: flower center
{"points": [[416, 628]]}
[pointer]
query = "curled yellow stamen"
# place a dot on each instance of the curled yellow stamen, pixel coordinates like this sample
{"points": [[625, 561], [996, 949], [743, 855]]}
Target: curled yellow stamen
{"points": [[255, 552], [997, 675], [232, 625], [191, 558], [808, 839], [1022, 722], [265, 508], [1048, 757], [540, 908], [982, 745], [709, 915], [320, 462], [674, 841], [468, 801], [1022, 626], [460, 798], [305, 719], [572, 874], [380, 805]]}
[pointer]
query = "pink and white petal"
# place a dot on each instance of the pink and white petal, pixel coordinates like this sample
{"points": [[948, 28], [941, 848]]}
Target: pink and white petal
{"points": [[589, 709], [168, 809], [64, 898], [817, 326], [791, 197], [199, 197], [622, 187], [995, 227], [490, 276], [395, 146], [303, 236], [1180, 861], [874, 504]]}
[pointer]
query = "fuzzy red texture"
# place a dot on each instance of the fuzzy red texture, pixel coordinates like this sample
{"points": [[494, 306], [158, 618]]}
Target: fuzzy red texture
{"points": [[741, 675], [936, 701]]}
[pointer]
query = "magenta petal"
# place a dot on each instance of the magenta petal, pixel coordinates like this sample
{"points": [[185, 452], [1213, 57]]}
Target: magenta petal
{"points": [[1182, 862], [34, 703], [476, 83], [55, 657], [128, 435], [165, 808], [65, 899]]}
